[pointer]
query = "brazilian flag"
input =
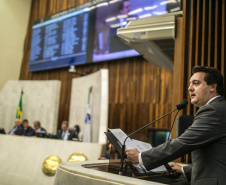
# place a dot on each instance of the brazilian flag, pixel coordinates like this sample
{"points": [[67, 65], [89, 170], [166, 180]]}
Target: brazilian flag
{"points": [[19, 108]]}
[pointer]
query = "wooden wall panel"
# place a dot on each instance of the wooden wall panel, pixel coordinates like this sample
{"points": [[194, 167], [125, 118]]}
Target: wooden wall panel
{"points": [[139, 92], [204, 31], [211, 30], [223, 36], [198, 33], [180, 62], [217, 29], [133, 90]]}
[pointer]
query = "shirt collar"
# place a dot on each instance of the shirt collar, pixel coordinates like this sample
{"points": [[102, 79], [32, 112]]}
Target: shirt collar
{"points": [[38, 130], [212, 99]]}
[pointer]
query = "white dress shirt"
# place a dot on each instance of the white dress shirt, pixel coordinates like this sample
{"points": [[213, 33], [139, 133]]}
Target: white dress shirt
{"points": [[65, 135]]}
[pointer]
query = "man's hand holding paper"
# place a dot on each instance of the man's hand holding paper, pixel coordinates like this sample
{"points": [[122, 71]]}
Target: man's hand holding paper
{"points": [[132, 155]]}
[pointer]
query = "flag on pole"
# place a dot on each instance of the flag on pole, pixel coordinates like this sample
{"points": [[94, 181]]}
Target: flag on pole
{"points": [[19, 108], [87, 136]]}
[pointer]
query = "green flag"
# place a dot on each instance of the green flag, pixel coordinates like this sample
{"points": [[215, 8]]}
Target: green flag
{"points": [[19, 108]]}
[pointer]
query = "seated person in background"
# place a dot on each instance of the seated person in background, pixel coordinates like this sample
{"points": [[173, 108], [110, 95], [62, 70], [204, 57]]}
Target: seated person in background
{"points": [[77, 130], [110, 152], [25, 129], [16, 127], [65, 133], [37, 127]]}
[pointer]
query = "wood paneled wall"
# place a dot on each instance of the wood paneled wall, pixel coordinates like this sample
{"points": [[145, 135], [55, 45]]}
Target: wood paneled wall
{"points": [[139, 92]]}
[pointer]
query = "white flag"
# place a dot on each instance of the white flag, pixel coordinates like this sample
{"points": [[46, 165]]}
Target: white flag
{"points": [[87, 136]]}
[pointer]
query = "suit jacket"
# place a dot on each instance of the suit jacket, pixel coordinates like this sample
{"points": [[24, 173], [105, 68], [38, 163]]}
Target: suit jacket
{"points": [[22, 132], [206, 139], [42, 129], [18, 127], [71, 134], [33, 133]]}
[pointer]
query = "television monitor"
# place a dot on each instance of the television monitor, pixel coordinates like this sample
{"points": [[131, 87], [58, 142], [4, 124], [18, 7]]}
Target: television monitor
{"points": [[158, 136], [2, 131], [60, 41], [41, 134], [87, 33], [51, 136]]}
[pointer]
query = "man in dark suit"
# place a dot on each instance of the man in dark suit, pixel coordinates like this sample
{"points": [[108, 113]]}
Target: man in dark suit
{"points": [[38, 127], [25, 129], [65, 133], [205, 138], [16, 126]]}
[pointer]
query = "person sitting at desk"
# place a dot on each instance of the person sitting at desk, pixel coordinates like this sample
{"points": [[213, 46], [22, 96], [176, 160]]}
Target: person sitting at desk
{"points": [[77, 130], [16, 126], [25, 129], [38, 127], [65, 133]]}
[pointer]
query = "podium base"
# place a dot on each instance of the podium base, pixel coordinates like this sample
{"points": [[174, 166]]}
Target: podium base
{"points": [[97, 172]]}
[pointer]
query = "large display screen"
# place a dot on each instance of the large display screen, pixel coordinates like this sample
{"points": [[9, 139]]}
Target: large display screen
{"points": [[60, 42], [87, 33]]}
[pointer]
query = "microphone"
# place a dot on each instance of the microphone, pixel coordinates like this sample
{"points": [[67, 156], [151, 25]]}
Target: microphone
{"points": [[179, 106], [182, 104]]}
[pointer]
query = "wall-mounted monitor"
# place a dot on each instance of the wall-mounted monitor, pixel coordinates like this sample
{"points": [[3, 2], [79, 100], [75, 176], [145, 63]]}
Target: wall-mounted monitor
{"points": [[158, 136], [87, 33], [60, 42]]}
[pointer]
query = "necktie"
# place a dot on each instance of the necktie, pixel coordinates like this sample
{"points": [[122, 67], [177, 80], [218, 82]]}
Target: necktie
{"points": [[63, 134], [25, 132], [13, 130]]}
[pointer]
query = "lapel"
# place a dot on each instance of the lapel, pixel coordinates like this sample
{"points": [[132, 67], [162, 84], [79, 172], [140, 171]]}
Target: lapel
{"points": [[218, 99]]}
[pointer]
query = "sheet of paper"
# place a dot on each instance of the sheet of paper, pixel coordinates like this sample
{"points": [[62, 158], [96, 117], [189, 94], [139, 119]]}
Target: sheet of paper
{"points": [[158, 169], [139, 145], [120, 135], [140, 168]]}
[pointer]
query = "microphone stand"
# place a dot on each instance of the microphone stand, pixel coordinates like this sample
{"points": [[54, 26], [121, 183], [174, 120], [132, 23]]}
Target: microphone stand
{"points": [[124, 146], [172, 125]]}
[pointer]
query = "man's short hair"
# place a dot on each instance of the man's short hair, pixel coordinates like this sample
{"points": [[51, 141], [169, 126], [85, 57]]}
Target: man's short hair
{"points": [[65, 122], [25, 120], [17, 119], [77, 128], [37, 123], [121, 4], [213, 76]]}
